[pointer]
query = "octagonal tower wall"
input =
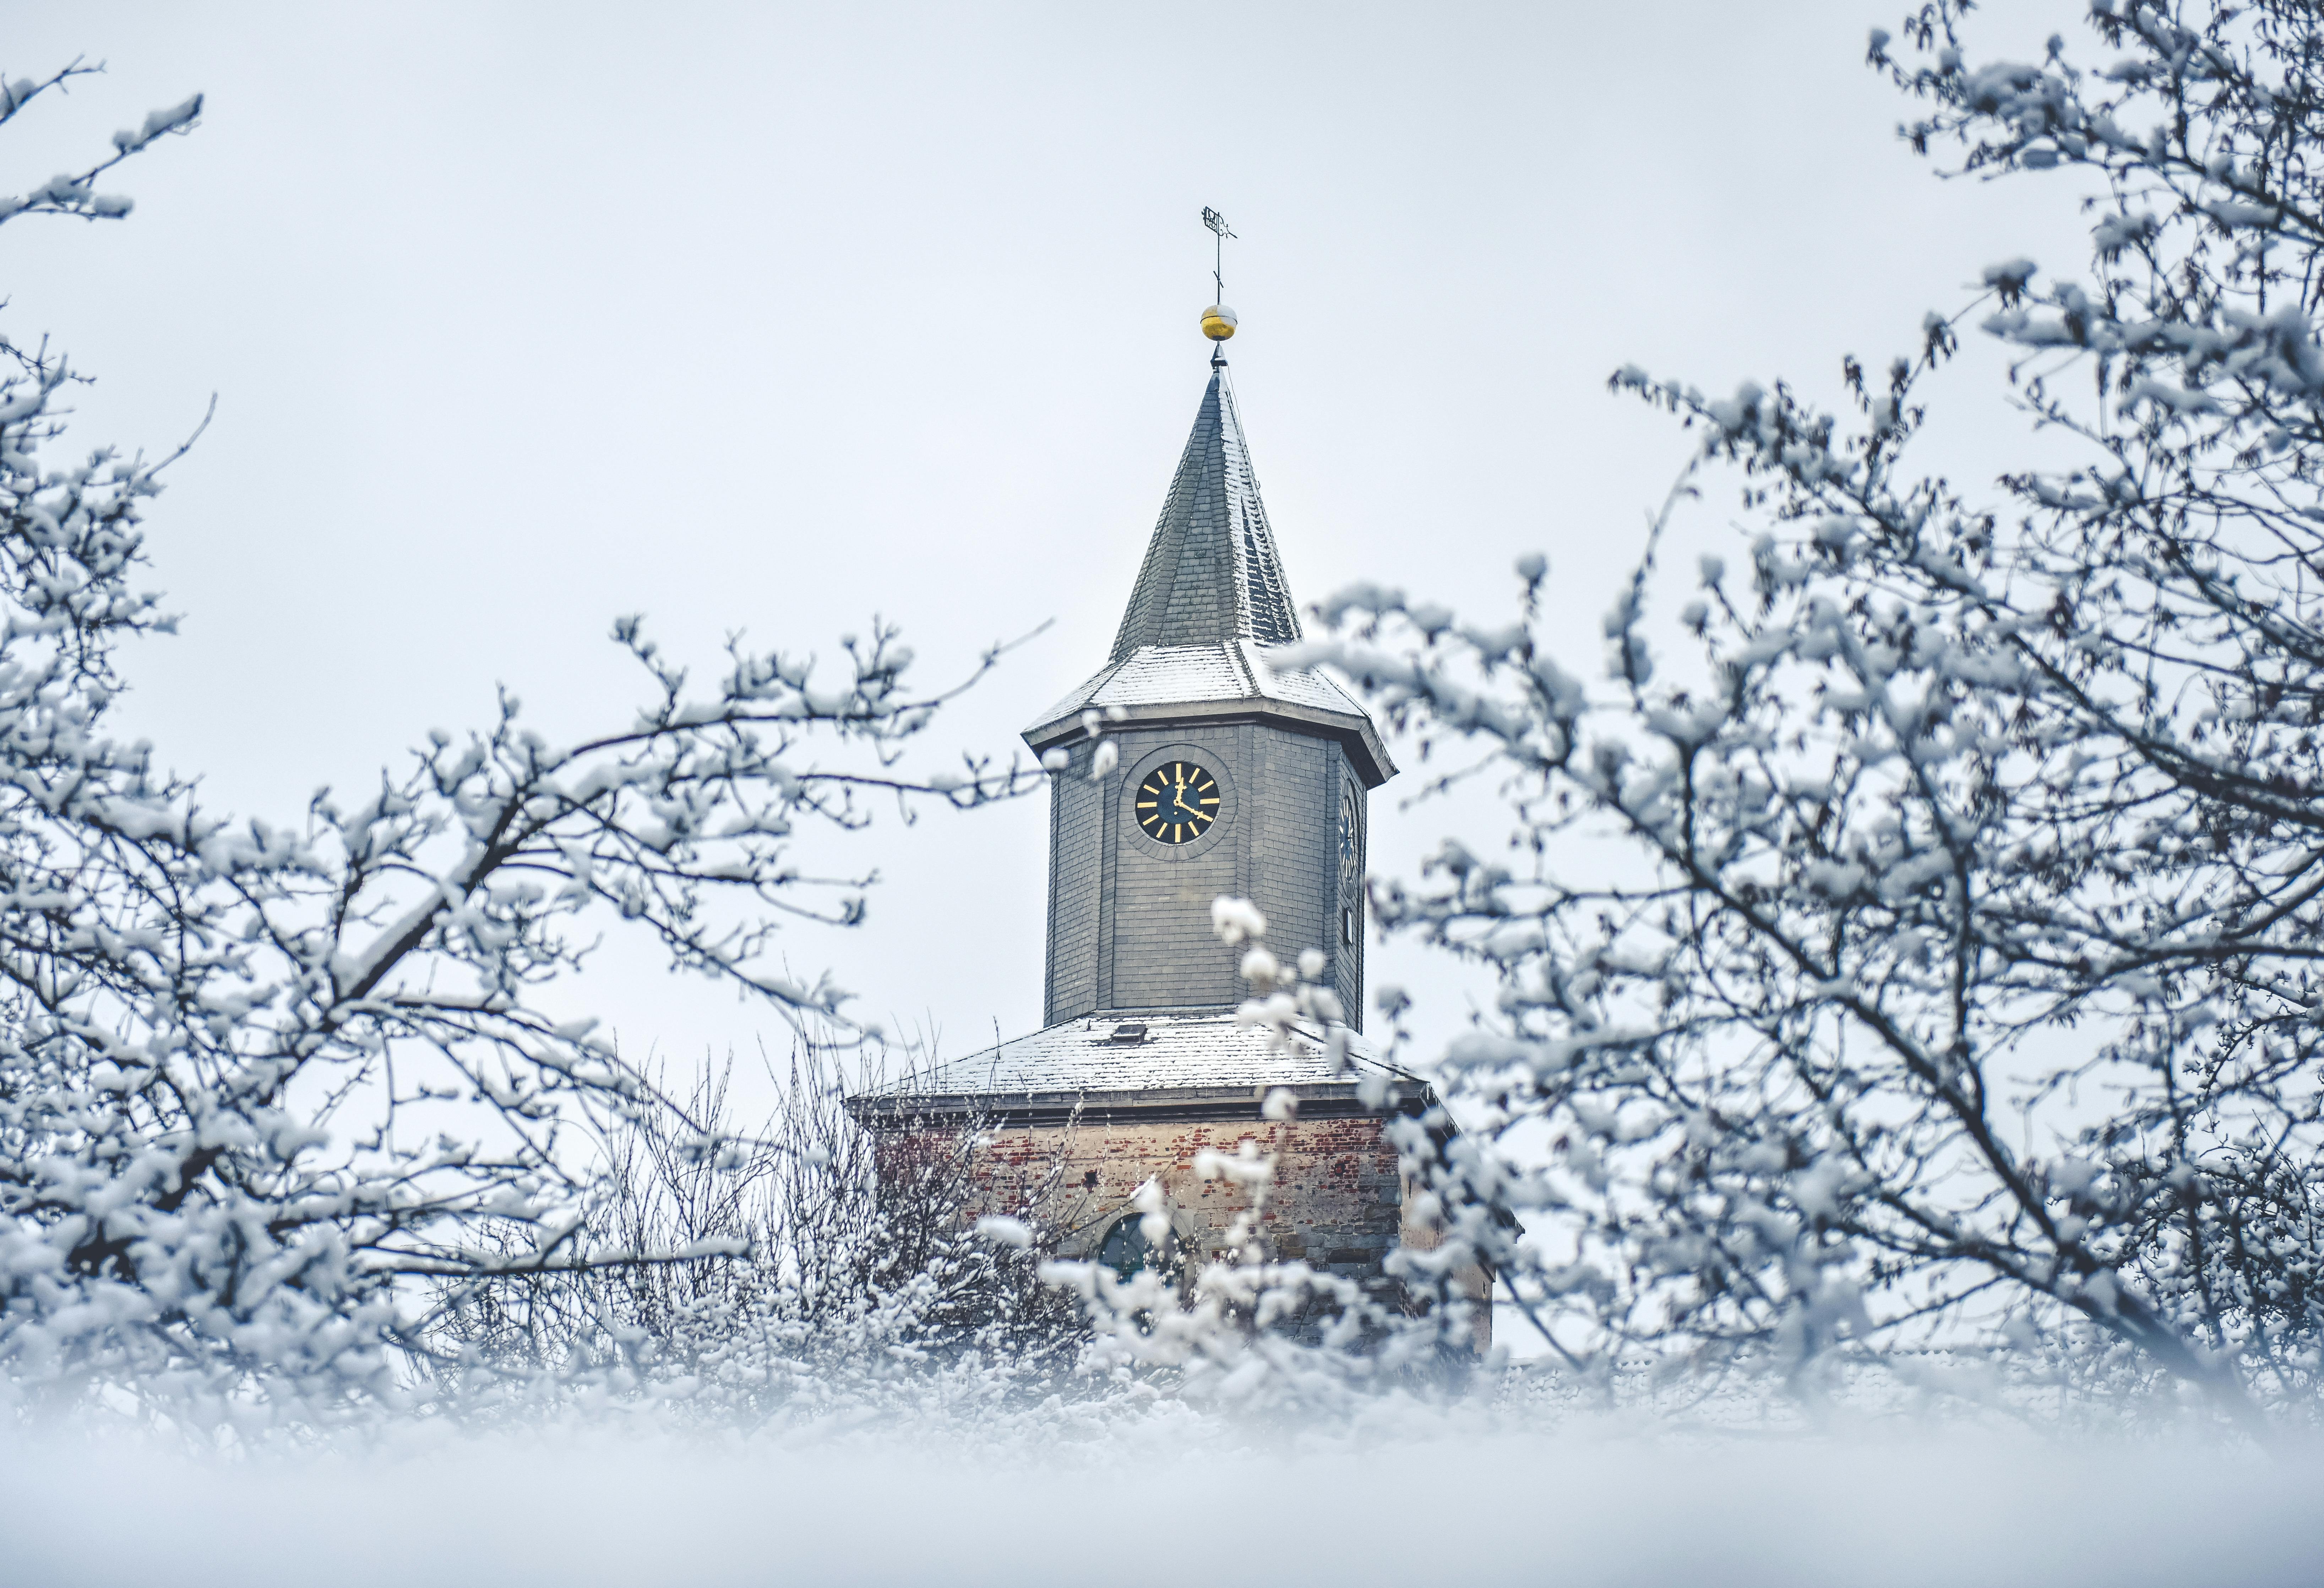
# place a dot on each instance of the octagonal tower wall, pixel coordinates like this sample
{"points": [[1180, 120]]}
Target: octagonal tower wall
{"points": [[1130, 918]]}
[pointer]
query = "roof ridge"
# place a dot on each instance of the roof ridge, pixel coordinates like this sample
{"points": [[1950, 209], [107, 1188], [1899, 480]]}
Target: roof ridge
{"points": [[1235, 654]]}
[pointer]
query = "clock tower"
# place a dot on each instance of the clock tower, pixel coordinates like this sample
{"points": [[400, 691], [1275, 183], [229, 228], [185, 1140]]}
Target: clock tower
{"points": [[1191, 767], [1229, 776]]}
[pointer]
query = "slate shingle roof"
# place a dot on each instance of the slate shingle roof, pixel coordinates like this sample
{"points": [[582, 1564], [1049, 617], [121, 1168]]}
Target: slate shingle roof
{"points": [[1210, 600], [1211, 572], [1180, 1052], [1175, 675]]}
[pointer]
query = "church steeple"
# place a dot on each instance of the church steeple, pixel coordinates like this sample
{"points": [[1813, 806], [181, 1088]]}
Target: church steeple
{"points": [[1194, 765], [1210, 574], [1199, 763], [1210, 602]]}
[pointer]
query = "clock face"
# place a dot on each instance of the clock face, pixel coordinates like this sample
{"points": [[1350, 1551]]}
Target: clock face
{"points": [[1177, 802], [1349, 828]]}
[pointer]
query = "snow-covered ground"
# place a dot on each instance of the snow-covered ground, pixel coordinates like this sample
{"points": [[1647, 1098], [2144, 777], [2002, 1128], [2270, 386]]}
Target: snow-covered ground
{"points": [[1482, 1508]]}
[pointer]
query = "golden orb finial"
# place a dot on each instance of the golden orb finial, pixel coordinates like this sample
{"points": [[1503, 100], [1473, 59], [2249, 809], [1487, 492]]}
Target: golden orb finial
{"points": [[1218, 322]]}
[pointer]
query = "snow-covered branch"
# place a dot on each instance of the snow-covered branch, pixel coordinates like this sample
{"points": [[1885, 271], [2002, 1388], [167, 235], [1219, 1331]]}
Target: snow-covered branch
{"points": [[256, 1075], [1928, 962]]}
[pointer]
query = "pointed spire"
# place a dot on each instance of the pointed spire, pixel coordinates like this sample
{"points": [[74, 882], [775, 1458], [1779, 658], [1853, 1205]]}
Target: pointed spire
{"points": [[1210, 574]]}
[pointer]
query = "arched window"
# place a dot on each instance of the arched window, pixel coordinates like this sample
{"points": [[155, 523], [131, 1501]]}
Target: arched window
{"points": [[1126, 1250]]}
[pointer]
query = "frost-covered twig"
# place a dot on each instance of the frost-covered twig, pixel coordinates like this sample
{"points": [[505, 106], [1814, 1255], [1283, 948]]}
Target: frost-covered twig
{"points": [[1929, 960], [256, 1078]]}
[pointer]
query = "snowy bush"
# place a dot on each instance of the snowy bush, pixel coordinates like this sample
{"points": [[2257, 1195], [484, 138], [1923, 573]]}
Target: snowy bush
{"points": [[1254, 1334], [798, 1279], [1908, 952], [262, 1083]]}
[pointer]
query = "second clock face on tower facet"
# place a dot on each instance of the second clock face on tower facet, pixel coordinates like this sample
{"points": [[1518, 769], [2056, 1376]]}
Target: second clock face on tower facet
{"points": [[1177, 803]]}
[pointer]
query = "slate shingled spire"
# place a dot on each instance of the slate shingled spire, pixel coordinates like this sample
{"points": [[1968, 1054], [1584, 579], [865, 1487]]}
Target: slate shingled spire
{"points": [[1210, 574], [1210, 603]]}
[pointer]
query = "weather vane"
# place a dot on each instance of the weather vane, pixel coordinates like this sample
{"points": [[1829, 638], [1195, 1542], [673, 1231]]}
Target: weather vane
{"points": [[1218, 320]]}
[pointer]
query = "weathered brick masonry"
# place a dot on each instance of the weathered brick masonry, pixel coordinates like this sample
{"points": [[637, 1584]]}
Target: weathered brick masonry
{"points": [[1336, 1202]]}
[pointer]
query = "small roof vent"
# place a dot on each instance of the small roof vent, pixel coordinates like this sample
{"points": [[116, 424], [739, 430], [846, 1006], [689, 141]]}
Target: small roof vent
{"points": [[1130, 1032]]}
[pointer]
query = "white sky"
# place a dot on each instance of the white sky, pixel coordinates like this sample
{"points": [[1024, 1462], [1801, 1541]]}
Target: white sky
{"points": [[769, 317]]}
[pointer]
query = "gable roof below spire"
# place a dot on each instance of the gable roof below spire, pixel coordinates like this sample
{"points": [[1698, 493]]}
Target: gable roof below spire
{"points": [[1197, 1064], [1210, 574]]}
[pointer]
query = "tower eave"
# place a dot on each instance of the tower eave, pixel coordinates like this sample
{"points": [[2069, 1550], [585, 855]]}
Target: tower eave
{"points": [[1215, 684], [1367, 751]]}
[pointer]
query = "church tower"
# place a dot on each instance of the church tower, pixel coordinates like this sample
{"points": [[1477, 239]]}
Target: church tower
{"points": [[1232, 777], [1186, 768]]}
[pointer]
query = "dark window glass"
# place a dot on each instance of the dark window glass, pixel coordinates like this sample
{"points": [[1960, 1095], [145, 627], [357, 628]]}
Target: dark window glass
{"points": [[1126, 1250]]}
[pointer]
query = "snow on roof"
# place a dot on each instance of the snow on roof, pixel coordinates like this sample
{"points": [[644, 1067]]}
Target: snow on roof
{"points": [[1171, 1052], [1190, 675]]}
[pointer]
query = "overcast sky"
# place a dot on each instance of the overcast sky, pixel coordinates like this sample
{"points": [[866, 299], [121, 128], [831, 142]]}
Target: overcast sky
{"points": [[769, 317]]}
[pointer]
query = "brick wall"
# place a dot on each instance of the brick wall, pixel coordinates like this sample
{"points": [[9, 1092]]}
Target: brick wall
{"points": [[1336, 1201]]}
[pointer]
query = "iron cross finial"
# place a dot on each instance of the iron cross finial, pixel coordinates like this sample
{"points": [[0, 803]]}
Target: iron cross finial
{"points": [[1221, 231]]}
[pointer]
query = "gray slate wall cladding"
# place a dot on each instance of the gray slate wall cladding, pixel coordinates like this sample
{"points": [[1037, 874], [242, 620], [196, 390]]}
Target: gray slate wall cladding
{"points": [[1129, 920], [1073, 885]]}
